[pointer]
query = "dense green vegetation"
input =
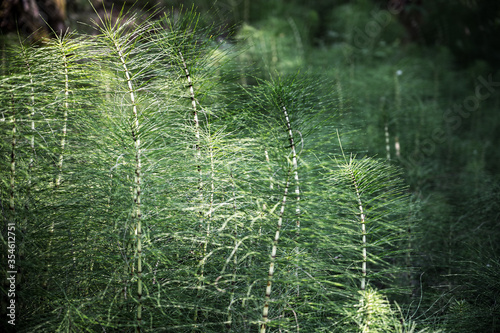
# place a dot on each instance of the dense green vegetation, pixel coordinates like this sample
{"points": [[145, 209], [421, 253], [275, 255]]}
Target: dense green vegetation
{"points": [[250, 167]]}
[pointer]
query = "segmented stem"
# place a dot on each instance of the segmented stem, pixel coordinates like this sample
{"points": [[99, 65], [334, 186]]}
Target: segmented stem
{"points": [[65, 116], [198, 157], [387, 142], [12, 206], [64, 129], [137, 215], [265, 311], [295, 167], [196, 126], [195, 111], [297, 184], [386, 129], [363, 229]]}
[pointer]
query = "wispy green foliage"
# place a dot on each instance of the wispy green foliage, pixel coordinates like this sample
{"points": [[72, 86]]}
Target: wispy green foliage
{"points": [[152, 195], [377, 200]]}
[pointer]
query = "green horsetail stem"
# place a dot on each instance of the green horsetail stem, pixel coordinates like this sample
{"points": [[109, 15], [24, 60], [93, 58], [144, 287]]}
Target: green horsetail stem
{"points": [[363, 229], [137, 215], [198, 157], [12, 206], [65, 108], [197, 134], [294, 165], [137, 180], [265, 310]]}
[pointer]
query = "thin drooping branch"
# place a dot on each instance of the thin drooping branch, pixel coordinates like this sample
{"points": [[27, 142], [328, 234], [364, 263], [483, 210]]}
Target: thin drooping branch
{"points": [[265, 311]]}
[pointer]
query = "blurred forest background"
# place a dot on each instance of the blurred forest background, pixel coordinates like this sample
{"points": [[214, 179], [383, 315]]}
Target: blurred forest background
{"points": [[418, 82]]}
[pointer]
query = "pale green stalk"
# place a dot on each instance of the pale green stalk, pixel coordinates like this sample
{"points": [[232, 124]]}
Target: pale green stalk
{"points": [[198, 157], [297, 184], [137, 181], [397, 91], [137, 214], [265, 310], [12, 206], [61, 46], [397, 146], [387, 142], [386, 128], [65, 107], [295, 167], [196, 127], [362, 217], [193, 102], [363, 228], [398, 104]]}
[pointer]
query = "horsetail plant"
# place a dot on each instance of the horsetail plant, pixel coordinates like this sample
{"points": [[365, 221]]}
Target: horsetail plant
{"points": [[188, 55], [287, 101], [65, 49], [362, 219], [283, 96], [188, 46], [378, 196], [122, 44], [180, 199]]}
